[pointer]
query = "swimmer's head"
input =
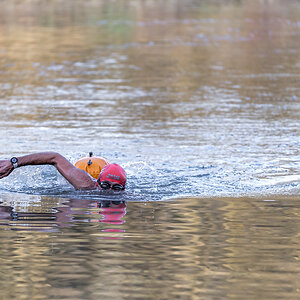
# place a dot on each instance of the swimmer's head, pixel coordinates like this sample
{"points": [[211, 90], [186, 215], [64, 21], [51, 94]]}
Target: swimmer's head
{"points": [[113, 177]]}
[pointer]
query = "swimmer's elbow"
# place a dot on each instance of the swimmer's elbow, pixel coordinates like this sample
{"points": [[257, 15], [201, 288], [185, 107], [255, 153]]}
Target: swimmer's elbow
{"points": [[55, 158]]}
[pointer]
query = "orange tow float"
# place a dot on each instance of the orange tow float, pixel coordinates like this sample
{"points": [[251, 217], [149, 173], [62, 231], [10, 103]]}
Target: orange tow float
{"points": [[92, 164]]}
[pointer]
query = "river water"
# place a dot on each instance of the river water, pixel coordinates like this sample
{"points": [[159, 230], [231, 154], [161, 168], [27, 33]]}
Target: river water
{"points": [[199, 102]]}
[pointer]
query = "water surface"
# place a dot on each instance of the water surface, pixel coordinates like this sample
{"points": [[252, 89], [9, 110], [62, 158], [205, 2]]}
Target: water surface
{"points": [[199, 102], [215, 248], [200, 98]]}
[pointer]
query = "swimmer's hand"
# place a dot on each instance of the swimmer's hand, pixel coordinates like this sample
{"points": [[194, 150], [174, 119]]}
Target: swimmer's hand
{"points": [[6, 168]]}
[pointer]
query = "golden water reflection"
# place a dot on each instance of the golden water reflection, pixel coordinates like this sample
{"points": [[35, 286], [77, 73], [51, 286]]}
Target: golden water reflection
{"points": [[188, 248]]}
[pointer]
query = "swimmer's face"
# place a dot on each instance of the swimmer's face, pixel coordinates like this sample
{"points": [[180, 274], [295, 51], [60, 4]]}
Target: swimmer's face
{"points": [[108, 185]]}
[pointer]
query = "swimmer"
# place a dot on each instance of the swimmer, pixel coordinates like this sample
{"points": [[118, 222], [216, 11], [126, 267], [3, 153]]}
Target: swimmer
{"points": [[112, 176]]}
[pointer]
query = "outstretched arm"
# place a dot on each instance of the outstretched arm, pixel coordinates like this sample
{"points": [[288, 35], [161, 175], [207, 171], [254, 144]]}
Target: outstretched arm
{"points": [[78, 178]]}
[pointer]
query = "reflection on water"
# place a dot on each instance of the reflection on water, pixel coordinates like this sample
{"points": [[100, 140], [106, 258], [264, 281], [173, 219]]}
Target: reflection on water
{"points": [[197, 100], [190, 249], [104, 211]]}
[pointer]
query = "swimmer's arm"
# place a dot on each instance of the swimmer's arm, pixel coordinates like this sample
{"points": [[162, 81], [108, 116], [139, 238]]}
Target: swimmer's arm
{"points": [[78, 178]]}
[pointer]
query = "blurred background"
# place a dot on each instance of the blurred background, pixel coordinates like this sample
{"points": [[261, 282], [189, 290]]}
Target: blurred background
{"points": [[197, 98]]}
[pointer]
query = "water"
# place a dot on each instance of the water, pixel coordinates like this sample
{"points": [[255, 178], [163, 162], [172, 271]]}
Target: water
{"points": [[221, 248], [199, 102]]}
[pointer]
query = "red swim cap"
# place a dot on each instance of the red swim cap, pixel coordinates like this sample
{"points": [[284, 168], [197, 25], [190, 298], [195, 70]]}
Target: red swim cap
{"points": [[113, 173]]}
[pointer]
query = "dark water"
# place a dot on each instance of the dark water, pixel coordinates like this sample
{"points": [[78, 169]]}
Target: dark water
{"points": [[199, 102]]}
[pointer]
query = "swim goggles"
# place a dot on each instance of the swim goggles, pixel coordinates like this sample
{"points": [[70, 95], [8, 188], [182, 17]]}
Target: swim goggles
{"points": [[106, 186], [107, 203]]}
